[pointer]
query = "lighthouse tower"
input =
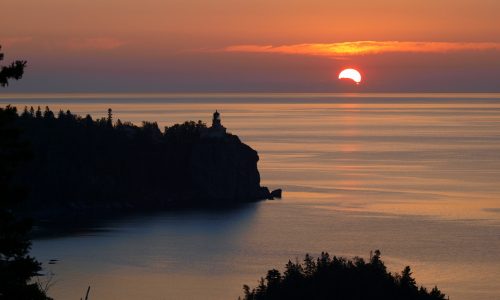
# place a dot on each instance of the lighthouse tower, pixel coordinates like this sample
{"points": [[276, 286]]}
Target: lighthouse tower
{"points": [[216, 130], [216, 120]]}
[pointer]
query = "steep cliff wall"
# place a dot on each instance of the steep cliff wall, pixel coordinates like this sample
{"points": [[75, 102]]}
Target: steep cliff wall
{"points": [[225, 170]]}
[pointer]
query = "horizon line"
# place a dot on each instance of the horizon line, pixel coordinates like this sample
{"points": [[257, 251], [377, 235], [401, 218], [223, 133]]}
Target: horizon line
{"points": [[158, 95]]}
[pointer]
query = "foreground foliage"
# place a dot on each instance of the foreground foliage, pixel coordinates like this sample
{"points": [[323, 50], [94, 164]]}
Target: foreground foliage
{"points": [[17, 268], [14, 70], [340, 278]]}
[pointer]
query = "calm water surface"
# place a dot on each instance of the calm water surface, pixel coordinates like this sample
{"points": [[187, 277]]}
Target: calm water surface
{"points": [[415, 175]]}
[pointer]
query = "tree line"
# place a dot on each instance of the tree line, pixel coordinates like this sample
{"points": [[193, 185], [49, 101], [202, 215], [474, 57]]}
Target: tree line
{"points": [[339, 278], [82, 162]]}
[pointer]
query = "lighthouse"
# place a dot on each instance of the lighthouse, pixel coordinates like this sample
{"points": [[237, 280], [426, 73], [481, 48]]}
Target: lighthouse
{"points": [[216, 130], [216, 120]]}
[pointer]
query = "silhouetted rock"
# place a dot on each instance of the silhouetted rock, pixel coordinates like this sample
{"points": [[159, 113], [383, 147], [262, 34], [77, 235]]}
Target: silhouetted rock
{"points": [[276, 194], [224, 169]]}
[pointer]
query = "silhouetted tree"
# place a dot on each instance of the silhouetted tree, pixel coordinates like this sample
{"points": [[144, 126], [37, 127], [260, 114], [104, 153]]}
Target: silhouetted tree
{"points": [[25, 113], [48, 114], [273, 279], [17, 268], [408, 284], [109, 120], [60, 114], [69, 115], [309, 265], [434, 294], [13, 71], [38, 113], [294, 271], [186, 132], [151, 129], [88, 120]]}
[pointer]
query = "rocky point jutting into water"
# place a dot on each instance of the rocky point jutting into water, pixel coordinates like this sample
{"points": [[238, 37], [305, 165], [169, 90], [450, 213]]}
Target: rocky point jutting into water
{"points": [[223, 168], [81, 165]]}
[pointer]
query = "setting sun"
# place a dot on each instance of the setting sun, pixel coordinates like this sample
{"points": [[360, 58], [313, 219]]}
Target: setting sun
{"points": [[350, 74]]}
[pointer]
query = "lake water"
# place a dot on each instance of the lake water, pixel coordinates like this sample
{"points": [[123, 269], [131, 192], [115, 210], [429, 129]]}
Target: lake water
{"points": [[414, 175]]}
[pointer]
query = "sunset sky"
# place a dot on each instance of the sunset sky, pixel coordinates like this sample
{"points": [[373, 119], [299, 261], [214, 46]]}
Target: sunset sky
{"points": [[246, 46]]}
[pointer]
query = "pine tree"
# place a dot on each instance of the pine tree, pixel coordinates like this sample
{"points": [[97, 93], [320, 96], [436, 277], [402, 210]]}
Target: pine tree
{"points": [[38, 113], [17, 268], [25, 113], [88, 121], [109, 120], [48, 114], [309, 265], [13, 71]]}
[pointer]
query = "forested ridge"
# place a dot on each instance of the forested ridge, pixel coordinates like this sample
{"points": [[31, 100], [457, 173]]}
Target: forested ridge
{"points": [[329, 278], [81, 164]]}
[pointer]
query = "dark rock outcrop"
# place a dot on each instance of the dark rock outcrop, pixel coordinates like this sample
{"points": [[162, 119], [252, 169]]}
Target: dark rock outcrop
{"points": [[225, 170], [81, 166], [276, 194]]}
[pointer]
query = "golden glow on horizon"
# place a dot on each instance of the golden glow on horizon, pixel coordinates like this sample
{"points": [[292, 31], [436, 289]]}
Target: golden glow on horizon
{"points": [[245, 46], [350, 74], [365, 47]]}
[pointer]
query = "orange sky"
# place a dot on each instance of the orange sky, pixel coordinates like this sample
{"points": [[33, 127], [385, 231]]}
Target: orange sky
{"points": [[236, 45]]}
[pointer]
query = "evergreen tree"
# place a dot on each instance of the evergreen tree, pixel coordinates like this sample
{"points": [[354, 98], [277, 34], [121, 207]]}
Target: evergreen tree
{"points": [[273, 280], [109, 120], [25, 113], [38, 113], [17, 268], [88, 120], [13, 71], [48, 114], [309, 265], [408, 284]]}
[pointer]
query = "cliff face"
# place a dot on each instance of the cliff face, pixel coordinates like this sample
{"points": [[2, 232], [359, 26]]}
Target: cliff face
{"points": [[225, 170]]}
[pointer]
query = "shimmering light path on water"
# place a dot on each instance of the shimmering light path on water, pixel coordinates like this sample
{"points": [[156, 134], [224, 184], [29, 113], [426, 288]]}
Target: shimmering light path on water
{"points": [[413, 175]]}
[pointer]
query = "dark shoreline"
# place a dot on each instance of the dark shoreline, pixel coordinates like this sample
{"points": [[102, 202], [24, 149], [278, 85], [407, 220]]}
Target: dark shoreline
{"points": [[87, 223]]}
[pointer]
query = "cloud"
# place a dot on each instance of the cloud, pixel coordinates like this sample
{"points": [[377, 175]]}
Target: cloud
{"points": [[94, 43], [11, 41], [364, 48]]}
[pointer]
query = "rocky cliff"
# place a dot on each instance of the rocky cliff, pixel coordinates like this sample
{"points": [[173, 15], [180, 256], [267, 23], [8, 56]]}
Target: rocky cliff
{"points": [[225, 170]]}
